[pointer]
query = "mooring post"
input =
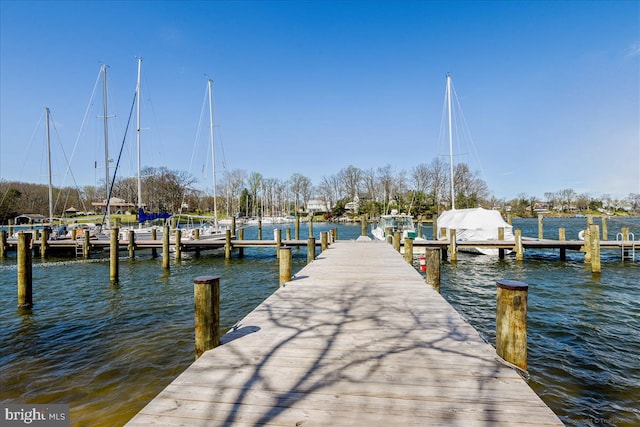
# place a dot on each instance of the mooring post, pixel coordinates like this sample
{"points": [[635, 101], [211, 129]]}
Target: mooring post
{"points": [[324, 241], [408, 250], [605, 230], [25, 271], [260, 228], [297, 234], [335, 234], [285, 265], [287, 233], [10, 227], [511, 322], [453, 245], [509, 218], [540, 227], [165, 247], [397, 236], [233, 226], [501, 238], [434, 227], [587, 245], [363, 225], [594, 232], [311, 249], [113, 255], [196, 234], [206, 295], [132, 244], [44, 243], [86, 243], [227, 244], [154, 236], [241, 237], [310, 224], [518, 244], [562, 236], [3, 244], [178, 244], [432, 260], [277, 234]]}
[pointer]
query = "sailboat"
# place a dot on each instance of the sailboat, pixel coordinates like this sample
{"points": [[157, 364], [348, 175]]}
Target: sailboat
{"points": [[475, 224], [207, 227]]}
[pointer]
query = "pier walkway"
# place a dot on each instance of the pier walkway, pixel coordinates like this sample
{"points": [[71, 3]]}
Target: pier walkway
{"points": [[355, 339]]}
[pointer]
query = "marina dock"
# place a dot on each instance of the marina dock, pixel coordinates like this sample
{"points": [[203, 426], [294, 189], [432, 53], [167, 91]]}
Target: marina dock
{"points": [[356, 338]]}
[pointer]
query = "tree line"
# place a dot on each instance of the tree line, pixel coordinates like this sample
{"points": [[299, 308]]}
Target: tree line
{"points": [[421, 191]]}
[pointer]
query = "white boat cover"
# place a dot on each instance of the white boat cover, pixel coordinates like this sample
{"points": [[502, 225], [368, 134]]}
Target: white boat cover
{"points": [[473, 224]]}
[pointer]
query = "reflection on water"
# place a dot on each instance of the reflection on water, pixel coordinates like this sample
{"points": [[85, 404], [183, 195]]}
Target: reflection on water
{"points": [[107, 350]]}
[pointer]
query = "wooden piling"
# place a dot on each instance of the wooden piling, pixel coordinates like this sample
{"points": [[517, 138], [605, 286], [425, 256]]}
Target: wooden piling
{"points": [[178, 244], [434, 227], [594, 231], [297, 229], [44, 243], [86, 244], [518, 244], [227, 244], [132, 244], [587, 245], [154, 236], [206, 296], [396, 240], [277, 234], [113, 255], [287, 233], [540, 227], [408, 250], [562, 236], [311, 249], [260, 228], [500, 237], [196, 234], [311, 225], [285, 265], [453, 245], [25, 270], [241, 237], [3, 244], [165, 247], [432, 276], [363, 225], [511, 322], [324, 241]]}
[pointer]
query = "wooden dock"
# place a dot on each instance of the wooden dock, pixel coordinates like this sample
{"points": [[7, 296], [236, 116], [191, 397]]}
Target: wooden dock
{"points": [[355, 339]]}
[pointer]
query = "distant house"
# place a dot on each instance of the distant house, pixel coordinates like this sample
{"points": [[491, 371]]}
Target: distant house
{"points": [[116, 205], [317, 205]]}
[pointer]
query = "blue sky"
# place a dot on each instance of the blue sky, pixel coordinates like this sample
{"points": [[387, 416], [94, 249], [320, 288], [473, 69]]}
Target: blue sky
{"points": [[550, 90]]}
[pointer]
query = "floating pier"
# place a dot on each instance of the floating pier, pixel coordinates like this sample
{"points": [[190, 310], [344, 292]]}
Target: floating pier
{"points": [[356, 338]]}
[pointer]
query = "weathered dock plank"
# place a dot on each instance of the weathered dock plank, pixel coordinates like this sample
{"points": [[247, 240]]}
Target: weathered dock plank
{"points": [[355, 339]]}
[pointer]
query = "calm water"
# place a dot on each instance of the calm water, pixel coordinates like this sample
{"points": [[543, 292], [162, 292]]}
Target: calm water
{"points": [[94, 345]]}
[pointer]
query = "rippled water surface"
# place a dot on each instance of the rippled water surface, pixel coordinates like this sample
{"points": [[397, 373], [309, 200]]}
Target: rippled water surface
{"points": [[107, 350]]}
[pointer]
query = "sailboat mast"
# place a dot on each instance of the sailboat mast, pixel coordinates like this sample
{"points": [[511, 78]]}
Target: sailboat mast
{"points": [[106, 142], [49, 161], [213, 155], [138, 137], [453, 196]]}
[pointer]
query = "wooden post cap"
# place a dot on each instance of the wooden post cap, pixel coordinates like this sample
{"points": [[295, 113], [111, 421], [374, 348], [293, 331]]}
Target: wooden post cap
{"points": [[512, 285], [205, 279]]}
